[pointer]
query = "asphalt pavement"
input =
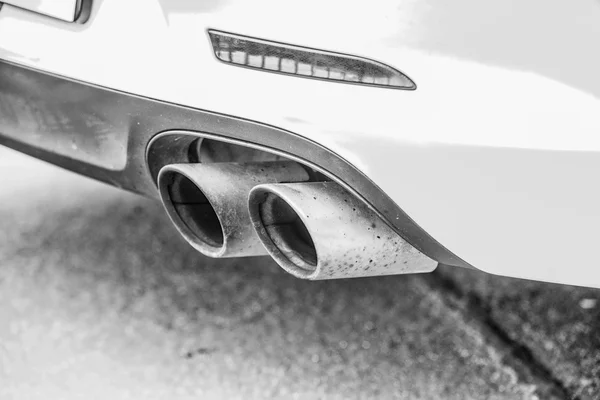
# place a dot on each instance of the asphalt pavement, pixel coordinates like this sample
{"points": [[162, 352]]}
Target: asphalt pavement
{"points": [[101, 299]]}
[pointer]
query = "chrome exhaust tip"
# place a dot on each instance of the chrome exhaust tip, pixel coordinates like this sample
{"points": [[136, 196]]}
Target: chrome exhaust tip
{"points": [[207, 203], [320, 231]]}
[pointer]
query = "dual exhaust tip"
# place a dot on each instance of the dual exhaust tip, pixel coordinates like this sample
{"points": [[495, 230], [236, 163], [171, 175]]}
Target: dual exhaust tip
{"points": [[313, 230]]}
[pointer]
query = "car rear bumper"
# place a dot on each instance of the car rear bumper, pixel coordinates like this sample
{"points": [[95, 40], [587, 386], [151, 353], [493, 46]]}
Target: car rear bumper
{"points": [[492, 160]]}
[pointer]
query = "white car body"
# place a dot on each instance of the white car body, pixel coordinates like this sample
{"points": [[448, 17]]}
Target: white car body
{"points": [[495, 154]]}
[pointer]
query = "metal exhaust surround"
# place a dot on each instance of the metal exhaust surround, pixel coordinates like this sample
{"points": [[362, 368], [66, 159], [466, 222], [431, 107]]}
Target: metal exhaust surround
{"points": [[318, 230], [208, 203]]}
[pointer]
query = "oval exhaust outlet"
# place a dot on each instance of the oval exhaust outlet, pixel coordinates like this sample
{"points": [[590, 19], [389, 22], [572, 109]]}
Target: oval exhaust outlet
{"points": [[208, 203], [320, 231]]}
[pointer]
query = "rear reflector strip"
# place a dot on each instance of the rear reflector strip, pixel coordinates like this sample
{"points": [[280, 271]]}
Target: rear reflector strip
{"points": [[305, 62]]}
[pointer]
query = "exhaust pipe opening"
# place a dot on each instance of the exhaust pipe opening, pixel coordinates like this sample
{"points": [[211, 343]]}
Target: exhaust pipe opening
{"points": [[193, 209], [208, 203], [289, 235], [318, 230]]}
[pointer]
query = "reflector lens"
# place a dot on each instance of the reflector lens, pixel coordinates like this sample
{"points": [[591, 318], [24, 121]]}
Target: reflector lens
{"points": [[305, 62]]}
